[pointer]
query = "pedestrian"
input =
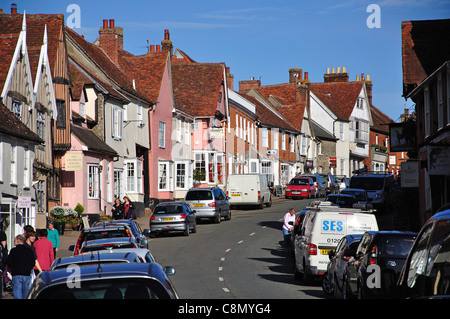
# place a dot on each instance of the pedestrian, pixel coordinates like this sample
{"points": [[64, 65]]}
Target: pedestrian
{"points": [[117, 209], [53, 236], [288, 225], [44, 251], [128, 208], [30, 239], [20, 263]]}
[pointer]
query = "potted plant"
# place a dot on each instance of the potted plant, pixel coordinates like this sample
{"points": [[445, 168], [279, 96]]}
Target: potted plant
{"points": [[57, 214], [198, 176]]}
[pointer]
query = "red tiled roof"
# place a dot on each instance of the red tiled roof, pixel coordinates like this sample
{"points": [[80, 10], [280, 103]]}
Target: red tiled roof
{"points": [[8, 44], [147, 71], [339, 97], [196, 87], [380, 120], [293, 99], [425, 47], [104, 63], [181, 57]]}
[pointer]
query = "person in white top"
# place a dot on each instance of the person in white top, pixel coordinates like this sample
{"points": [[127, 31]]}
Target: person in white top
{"points": [[288, 225]]}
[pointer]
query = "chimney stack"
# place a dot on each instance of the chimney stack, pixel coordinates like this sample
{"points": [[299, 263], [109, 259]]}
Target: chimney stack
{"points": [[14, 8], [295, 75], [245, 86], [230, 78], [166, 44], [111, 40], [336, 77]]}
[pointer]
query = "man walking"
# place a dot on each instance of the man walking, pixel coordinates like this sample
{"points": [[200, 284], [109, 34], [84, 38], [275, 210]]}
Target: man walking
{"points": [[20, 263]]}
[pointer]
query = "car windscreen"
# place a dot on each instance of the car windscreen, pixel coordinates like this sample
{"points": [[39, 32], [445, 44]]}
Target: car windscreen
{"points": [[358, 194], [168, 209], [367, 183], [116, 288], [116, 233], [89, 248], [299, 181], [199, 195], [398, 247]]}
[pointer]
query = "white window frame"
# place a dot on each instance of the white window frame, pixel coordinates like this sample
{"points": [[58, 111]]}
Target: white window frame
{"points": [[275, 139], [93, 181], [26, 167], [265, 137], [13, 178], [165, 183], [118, 182], [292, 143], [16, 109], [116, 123], [162, 134], [133, 175], [181, 180], [267, 169], [283, 141], [40, 124]]}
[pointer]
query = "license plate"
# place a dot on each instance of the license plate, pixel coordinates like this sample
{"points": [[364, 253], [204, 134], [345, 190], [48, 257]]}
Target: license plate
{"points": [[167, 219], [199, 205], [235, 194], [295, 193], [325, 251]]}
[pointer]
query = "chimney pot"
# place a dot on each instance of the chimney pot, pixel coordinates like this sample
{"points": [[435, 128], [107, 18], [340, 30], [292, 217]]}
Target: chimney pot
{"points": [[152, 48], [338, 69], [166, 34], [158, 48], [344, 69], [332, 70], [328, 70], [13, 8], [105, 24], [306, 75], [111, 23]]}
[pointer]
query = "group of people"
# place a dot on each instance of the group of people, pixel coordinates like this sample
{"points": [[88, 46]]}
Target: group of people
{"points": [[123, 210], [33, 253]]}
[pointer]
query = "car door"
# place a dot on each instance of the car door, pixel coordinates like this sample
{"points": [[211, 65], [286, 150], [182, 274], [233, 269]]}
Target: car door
{"points": [[352, 272], [190, 214]]}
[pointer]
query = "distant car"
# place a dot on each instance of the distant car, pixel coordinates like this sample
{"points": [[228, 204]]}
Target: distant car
{"points": [[425, 273], [173, 216], [386, 249], [90, 258], [300, 187], [105, 281], [108, 243], [318, 182], [209, 202], [343, 181], [360, 194], [333, 278], [100, 232], [342, 200], [332, 186], [140, 235]]}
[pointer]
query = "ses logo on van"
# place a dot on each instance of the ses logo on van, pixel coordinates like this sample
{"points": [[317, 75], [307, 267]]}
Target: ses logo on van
{"points": [[332, 225]]}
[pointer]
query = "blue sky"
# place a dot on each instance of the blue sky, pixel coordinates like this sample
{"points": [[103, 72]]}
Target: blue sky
{"points": [[263, 39]]}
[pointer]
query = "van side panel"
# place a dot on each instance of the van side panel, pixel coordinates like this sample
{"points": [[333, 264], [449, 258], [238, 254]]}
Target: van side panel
{"points": [[243, 189]]}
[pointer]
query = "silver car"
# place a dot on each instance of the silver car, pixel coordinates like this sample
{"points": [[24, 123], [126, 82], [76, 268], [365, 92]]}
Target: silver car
{"points": [[173, 216], [209, 203]]}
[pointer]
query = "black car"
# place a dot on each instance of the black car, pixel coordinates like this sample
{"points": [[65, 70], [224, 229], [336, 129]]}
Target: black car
{"points": [[105, 281], [374, 270], [426, 272], [333, 278], [342, 200]]}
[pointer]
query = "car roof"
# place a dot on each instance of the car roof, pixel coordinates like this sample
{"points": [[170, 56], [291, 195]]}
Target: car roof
{"points": [[93, 257], [142, 252], [354, 189], [104, 227], [170, 203], [391, 233], [107, 271], [108, 240]]}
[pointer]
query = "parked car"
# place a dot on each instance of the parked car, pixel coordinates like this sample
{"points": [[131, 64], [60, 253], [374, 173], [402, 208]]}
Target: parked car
{"points": [[323, 228], [209, 203], [342, 200], [360, 194], [91, 258], [332, 186], [381, 189], [318, 182], [425, 273], [300, 187], [141, 236], [343, 181], [300, 217], [99, 232], [173, 216], [333, 278], [105, 281], [144, 254], [249, 190], [108, 243], [386, 249]]}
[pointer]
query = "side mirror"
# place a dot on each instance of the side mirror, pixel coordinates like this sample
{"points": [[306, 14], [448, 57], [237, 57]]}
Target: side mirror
{"points": [[71, 248], [147, 232], [169, 270]]}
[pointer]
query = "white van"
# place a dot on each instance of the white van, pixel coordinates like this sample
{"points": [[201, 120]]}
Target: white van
{"points": [[323, 227], [249, 189]]}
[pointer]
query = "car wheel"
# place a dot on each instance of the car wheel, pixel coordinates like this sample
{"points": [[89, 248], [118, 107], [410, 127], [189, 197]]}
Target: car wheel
{"points": [[218, 218], [270, 202], [326, 285], [187, 230], [194, 229], [228, 217]]}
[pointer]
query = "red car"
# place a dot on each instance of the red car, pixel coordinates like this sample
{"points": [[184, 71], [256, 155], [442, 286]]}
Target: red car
{"points": [[300, 187]]}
